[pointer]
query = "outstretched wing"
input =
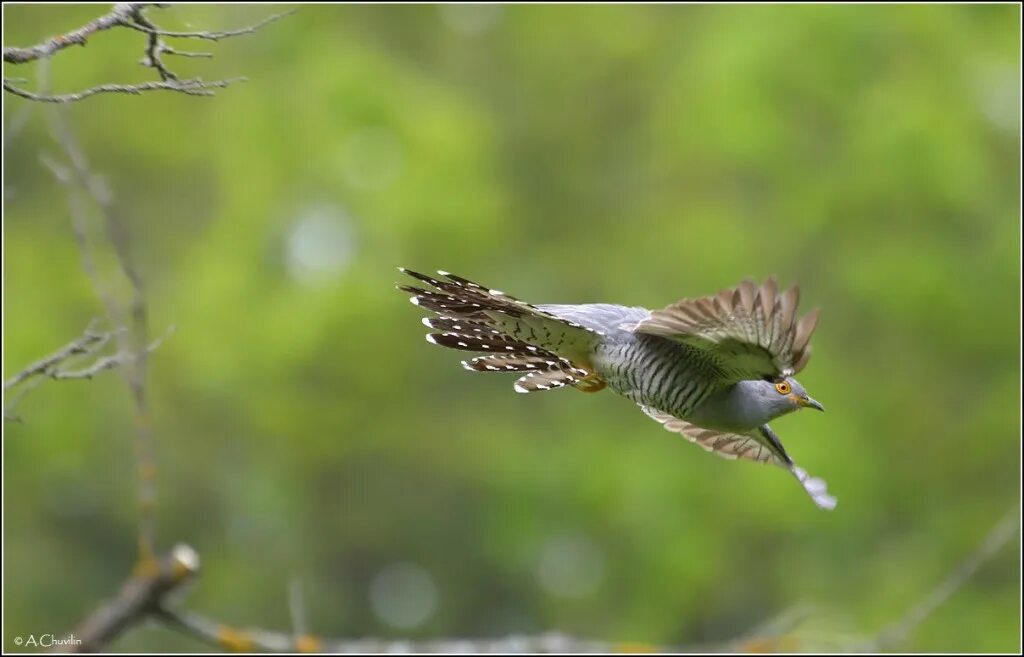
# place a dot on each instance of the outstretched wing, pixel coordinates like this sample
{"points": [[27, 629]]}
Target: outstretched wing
{"points": [[726, 445], [762, 448], [750, 332]]}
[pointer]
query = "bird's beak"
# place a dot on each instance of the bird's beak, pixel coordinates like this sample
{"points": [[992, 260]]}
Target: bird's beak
{"points": [[812, 403]]}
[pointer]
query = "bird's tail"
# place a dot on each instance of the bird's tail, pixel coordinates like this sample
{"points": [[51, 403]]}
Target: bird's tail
{"points": [[514, 336]]}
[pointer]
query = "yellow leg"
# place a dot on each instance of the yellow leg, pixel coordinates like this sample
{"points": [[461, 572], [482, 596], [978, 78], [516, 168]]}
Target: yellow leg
{"points": [[591, 383]]}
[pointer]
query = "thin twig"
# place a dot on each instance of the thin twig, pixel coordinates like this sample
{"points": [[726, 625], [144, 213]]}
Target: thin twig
{"points": [[14, 127], [210, 36], [1000, 534], [106, 362], [192, 87], [297, 608], [54, 367], [774, 635], [89, 342], [79, 222], [11, 402], [186, 53]]}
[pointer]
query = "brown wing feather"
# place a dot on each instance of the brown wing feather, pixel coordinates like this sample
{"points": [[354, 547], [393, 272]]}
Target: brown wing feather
{"points": [[726, 445], [750, 330]]}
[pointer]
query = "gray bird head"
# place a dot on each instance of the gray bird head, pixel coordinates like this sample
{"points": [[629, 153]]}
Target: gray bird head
{"points": [[776, 398], [750, 404]]}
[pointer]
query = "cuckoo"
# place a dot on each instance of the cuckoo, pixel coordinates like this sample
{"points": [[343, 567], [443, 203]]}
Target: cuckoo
{"points": [[715, 369]]}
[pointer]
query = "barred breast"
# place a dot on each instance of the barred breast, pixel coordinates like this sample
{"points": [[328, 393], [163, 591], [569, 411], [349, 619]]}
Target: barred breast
{"points": [[656, 372]]}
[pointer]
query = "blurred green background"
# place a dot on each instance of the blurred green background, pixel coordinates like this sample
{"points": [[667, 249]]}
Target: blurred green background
{"points": [[564, 154]]}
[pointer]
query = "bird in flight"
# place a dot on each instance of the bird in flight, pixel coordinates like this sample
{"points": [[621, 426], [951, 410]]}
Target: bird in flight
{"points": [[714, 369]]}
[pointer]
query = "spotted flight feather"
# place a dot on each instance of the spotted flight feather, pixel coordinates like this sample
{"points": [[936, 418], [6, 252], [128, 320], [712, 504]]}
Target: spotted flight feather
{"points": [[517, 336]]}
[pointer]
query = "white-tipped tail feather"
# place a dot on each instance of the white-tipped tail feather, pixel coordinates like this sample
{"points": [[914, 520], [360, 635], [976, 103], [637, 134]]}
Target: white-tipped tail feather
{"points": [[516, 336]]}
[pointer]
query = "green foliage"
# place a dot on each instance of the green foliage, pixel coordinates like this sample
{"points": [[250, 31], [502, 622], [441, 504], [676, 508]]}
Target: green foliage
{"points": [[564, 154]]}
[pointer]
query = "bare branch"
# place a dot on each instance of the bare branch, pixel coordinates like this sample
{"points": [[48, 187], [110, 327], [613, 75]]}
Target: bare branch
{"points": [[131, 16], [134, 342], [1000, 534], [124, 14], [118, 16], [234, 639], [139, 596], [192, 87]]}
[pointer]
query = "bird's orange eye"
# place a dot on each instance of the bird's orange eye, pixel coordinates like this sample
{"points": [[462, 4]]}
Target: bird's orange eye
{"points": [[783, 387]]}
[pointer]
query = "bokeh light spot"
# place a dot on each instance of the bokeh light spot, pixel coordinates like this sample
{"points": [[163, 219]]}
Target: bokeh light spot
{"points": [[403, 595], [319, 245], [570, 566]]}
